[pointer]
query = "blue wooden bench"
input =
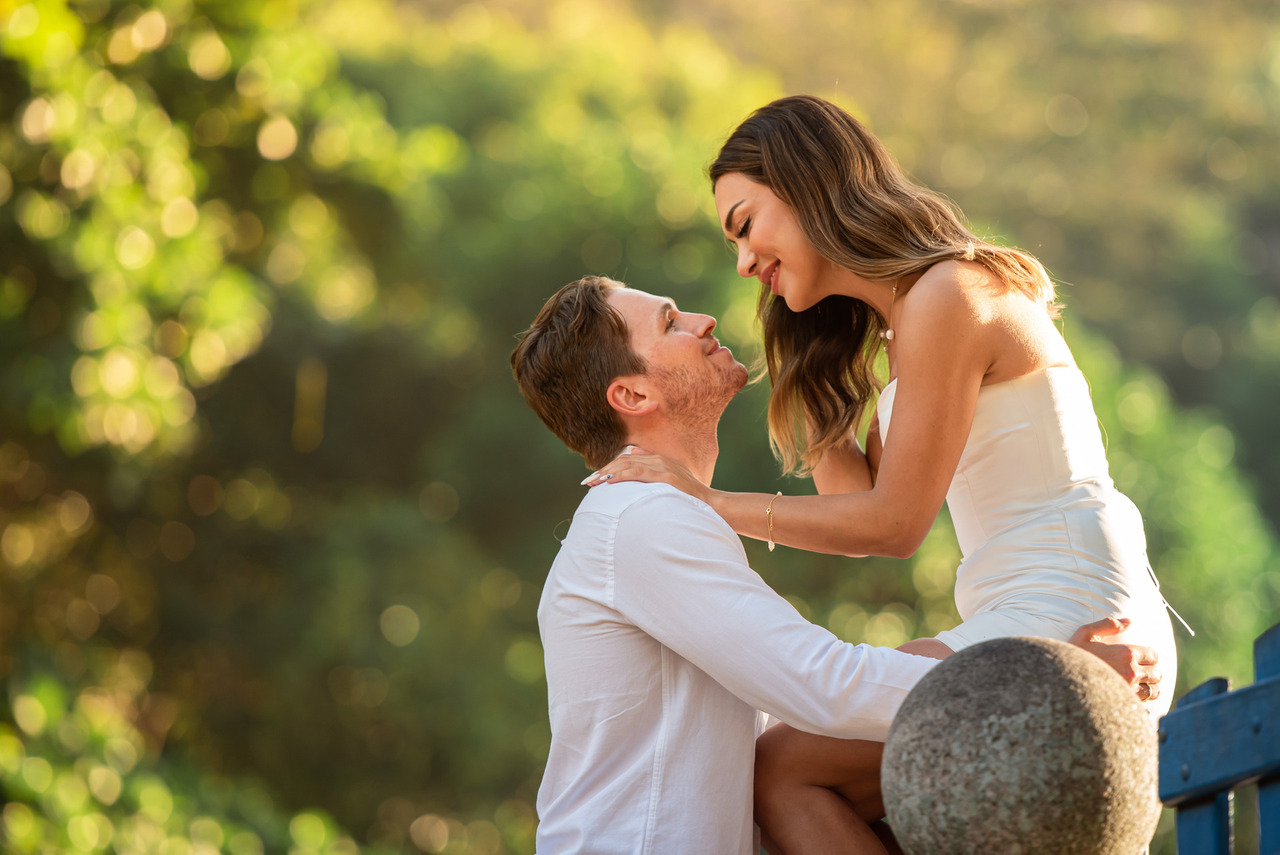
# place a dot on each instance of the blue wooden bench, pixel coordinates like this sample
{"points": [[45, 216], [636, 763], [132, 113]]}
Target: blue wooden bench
{"points": [[1215, 740]]}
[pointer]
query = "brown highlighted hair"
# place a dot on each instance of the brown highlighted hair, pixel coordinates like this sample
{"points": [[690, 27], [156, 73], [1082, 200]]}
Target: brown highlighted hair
{"points": [[862, 213], [565, 362]]}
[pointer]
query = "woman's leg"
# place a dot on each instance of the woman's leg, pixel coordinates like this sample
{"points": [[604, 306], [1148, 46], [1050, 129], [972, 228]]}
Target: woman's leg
{"points": [[815, 794], [931, 647], [798, 807]]}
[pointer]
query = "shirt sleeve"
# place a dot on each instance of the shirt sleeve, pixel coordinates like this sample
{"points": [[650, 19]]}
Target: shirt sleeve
{"points": [[681, 576]]}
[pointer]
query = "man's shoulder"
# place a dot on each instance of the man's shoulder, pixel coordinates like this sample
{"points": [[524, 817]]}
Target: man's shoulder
{"points": [[638, 500]]}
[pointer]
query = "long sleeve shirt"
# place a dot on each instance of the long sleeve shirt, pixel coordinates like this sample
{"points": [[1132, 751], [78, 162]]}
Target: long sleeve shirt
{"points": [[662, 648]]}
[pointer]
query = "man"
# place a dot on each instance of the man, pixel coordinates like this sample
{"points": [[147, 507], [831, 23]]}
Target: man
{"points": [[661, 644]]}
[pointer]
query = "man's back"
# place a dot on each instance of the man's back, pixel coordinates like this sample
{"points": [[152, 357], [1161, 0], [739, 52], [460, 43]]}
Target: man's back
{"points": [[649, 754]]}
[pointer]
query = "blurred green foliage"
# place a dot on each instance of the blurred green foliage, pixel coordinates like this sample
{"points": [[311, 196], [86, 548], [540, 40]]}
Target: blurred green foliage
{"points": [[273, 517], [79, 777]]}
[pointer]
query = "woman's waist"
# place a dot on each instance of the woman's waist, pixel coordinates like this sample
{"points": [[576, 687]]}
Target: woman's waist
{"points": [[1089, 563], [1092, 508]]}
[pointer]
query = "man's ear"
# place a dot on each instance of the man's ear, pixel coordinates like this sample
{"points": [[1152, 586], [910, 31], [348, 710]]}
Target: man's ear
{"points": [[632, 395]]}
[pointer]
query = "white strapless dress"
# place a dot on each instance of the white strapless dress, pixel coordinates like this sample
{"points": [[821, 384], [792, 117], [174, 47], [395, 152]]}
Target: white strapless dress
{"points": [[1049, 543]]}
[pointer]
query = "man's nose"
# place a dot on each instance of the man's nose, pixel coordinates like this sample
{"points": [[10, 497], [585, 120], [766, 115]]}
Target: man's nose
{"points": [[704, 324]]}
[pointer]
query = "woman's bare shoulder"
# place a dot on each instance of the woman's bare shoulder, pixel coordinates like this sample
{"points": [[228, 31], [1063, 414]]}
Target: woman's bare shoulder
{"points": [[960, 275], [954, 286]]}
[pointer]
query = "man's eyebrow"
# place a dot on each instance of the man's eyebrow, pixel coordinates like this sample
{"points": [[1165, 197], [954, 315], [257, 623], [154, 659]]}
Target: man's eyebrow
{"points": [[664, 310], [728, 218]]}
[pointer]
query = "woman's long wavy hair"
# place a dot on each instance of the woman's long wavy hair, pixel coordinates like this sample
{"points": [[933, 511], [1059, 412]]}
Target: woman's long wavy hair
{"points": [[862, 213]]}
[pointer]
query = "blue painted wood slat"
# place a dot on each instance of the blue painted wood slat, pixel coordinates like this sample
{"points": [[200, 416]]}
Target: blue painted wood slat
{"points": [[1216, 740], [1266, 666]]}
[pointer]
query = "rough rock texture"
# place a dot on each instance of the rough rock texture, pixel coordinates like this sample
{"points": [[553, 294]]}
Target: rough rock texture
{"points": [[1021, 745]]}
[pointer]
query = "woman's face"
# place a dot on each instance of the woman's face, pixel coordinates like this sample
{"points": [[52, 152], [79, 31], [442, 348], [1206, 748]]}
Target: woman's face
{"points": [[771, 245]]}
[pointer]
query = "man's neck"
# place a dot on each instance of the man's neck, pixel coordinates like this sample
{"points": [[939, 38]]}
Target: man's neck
{"points": [[695, 448]]}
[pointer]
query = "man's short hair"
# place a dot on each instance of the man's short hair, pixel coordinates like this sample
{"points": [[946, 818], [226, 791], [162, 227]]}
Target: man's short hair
{"points": [[565, 361]]}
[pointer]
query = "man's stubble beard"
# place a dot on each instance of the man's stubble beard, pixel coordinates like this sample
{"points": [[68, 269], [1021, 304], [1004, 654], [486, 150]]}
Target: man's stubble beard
{"points": [[695, 399]]}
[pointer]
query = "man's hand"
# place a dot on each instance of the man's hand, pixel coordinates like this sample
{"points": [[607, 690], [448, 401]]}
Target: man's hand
{"points": [[1138, 665]]}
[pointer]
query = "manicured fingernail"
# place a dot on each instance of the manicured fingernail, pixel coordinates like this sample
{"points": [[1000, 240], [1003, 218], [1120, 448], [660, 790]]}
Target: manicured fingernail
{"points": [[590, 477], [628, 449], [1124, 621]]}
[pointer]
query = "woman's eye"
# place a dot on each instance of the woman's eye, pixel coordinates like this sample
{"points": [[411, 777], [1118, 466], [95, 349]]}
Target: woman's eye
{"points": [[742, 232]]}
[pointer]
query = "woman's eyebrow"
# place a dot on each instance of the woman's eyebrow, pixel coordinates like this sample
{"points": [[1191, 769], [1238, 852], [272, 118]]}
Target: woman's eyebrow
{"points": [[728, 218]]}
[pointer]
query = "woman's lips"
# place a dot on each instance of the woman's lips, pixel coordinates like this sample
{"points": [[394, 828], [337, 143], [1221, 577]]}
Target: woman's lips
{"points": [[770, 277]]}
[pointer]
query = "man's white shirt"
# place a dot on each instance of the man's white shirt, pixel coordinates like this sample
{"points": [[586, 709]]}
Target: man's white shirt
{"points": [[662, 647]]}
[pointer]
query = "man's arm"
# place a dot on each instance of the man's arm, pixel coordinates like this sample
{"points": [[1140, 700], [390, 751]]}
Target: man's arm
{"points": [[682, 577]]}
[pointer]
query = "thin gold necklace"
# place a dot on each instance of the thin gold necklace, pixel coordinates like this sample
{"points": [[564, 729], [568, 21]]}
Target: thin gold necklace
{"points": [[887, 332]]}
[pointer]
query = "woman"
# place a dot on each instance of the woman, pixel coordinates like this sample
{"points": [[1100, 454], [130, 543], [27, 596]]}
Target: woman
{"points": [[984, 408]]}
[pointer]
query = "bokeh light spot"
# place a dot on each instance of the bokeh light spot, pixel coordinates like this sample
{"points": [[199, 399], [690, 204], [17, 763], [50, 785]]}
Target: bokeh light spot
{"points": [[29, 714], [37, 773], [684, 262], [240, 499], [209, 57], [17, 544], [1049, 194], [245, 843], [1066, 115], [524, 660], [1202, 347], [277, 138], [118, 373], [204, 495], [179, 217], [78, 169], [962, 166], [207, 831], [308, 829], [978, 91], [177, 540], [1227, 160], [208, 355], [82, 619], [429, 833], [500, 588], [150, 30], [286, 262], [38, 120], [23, 21], [1217, 446], [886, 629], [438, 501], [677, 203], [155, 800], [105, 785], [399, 625], [523, 200], [103, 592], [344, 292], [134, 248], [1137, 408]]}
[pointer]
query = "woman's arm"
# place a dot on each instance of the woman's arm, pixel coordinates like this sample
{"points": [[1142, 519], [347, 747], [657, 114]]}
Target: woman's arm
{"points": [[845, 467], [949, 330]]}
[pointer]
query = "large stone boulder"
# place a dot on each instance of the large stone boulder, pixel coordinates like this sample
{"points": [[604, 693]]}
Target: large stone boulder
{"points": [[1019, 746]]}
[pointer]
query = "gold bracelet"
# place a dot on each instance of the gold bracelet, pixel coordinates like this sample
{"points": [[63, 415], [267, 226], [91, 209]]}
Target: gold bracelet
{"points": [[768, 515]]}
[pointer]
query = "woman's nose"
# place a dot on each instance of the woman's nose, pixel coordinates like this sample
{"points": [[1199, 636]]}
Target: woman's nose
{"points": [[746, 261]]}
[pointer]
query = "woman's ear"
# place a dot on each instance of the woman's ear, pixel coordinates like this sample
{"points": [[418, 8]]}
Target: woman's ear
{"points": [[632, 396]]}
